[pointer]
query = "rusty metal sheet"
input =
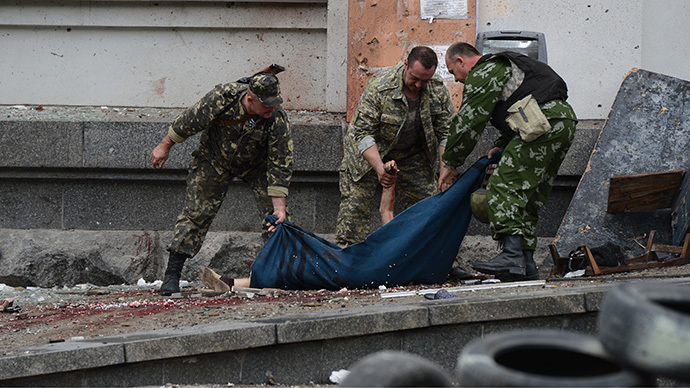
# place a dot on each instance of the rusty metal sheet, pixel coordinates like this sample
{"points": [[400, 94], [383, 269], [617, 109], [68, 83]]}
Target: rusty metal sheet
{"points": [[648, 130]]}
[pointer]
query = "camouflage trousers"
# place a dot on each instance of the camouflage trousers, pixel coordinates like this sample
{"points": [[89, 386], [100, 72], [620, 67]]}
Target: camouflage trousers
{"points": [[416, 181], [206, 190], [522, 182]]}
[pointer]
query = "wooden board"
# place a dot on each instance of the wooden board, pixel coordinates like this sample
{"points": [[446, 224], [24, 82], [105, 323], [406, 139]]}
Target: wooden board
{"points": [[644, 192]]}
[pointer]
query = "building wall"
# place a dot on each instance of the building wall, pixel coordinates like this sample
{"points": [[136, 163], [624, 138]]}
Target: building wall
{"points": [[168, 53], [594, 44]]}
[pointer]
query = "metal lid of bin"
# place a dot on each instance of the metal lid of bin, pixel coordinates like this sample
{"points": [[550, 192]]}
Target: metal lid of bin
{"points": [[530, 43]]}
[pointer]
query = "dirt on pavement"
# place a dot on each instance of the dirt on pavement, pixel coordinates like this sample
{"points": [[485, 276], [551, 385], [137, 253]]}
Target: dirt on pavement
{"points": [[40, 316]]}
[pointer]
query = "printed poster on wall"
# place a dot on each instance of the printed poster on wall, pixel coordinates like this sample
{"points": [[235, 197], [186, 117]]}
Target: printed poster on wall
{"points": [[443, 9]]}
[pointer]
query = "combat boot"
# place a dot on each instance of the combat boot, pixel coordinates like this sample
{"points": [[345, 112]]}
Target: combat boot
{"points": [[511, 260], [171, 282], [531, 271]]}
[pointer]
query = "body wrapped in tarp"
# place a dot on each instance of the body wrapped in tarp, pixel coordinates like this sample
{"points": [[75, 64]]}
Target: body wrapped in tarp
{"points": [[417, 246]]}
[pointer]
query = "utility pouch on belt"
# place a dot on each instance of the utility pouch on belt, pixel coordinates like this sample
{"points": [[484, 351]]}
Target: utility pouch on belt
{"points": [[526, 118]]}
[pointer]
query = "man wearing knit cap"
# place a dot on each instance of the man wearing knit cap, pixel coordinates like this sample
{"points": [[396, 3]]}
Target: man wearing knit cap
{"points": [[245, 134]]}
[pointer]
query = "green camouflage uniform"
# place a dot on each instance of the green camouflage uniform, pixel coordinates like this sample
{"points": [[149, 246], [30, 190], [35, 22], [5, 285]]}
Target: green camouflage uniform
{"points": [[522, 182], [233, 145], [378, 120]]}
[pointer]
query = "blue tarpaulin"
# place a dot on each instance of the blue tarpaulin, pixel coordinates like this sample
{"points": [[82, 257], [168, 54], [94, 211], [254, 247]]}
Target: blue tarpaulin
{"points": [[418, 246]]}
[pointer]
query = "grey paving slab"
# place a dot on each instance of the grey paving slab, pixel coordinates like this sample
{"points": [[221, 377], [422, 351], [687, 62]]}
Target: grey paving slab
{"points": [[317, 147], [60, 357], [441, 344], [350, 322], [288, 364], [194, 340], [98, 205], [593, 299], [450, 311], [128, 145], [40, 144], [341, 353], [28, 205]]}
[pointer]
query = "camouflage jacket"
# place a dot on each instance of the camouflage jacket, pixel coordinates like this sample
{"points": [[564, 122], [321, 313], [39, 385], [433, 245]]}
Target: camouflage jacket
{"points": [[381, 114], [485, 85], [233, 141]]}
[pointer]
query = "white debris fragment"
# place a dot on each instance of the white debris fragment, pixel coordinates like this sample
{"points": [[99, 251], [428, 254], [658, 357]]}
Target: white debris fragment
{"points": [[382, 287], [575, 274], [142, 283], [22, 107], [337, 376], [77, 338]]}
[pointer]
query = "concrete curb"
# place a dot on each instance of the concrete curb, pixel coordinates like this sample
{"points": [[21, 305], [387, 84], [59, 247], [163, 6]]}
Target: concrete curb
{"points": [[304, 348]]}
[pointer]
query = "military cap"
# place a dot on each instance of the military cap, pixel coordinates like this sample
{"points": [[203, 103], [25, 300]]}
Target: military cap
{"points": [[265, 86]]}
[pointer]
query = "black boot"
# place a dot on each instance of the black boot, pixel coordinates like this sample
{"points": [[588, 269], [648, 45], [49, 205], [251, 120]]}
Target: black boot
{"points": [[511, 260], [457, 273], [531, 272], [171, 282]]}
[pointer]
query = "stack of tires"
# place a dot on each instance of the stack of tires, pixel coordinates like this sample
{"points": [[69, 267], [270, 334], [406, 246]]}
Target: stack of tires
{"points": [[643, 339], [646, 326], [644, 335]]}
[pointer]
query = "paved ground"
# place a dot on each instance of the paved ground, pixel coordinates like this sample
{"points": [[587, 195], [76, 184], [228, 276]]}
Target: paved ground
{"points": [[56, 315]]}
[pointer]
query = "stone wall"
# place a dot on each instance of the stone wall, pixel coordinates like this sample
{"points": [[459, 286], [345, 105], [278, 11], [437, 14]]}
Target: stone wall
{"points": [[71, 175]]}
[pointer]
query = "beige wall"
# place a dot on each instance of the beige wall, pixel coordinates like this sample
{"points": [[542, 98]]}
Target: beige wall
{"points": [[382, 33]]}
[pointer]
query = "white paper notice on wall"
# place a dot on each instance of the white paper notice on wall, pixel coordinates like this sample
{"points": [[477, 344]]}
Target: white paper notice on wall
{"points": [[441, 69], [443, 9]]}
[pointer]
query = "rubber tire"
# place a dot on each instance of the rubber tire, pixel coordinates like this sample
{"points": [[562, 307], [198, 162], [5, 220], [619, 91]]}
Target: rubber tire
{"points": [[536, 358], [396, 369], [647, 326]]}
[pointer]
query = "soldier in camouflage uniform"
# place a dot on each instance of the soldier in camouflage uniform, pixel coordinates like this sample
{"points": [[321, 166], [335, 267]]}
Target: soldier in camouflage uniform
{"points": [[244, 134], [523, 179], [403, 115]]}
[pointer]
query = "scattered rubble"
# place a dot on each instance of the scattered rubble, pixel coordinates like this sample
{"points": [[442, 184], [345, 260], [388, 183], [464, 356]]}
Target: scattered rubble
{"points": [[46, 315]]}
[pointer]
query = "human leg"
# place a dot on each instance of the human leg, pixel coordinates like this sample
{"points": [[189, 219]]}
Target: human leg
{"points": [[206, 190], [356, 203], [219, 283], [517, 189], [521, 184]]}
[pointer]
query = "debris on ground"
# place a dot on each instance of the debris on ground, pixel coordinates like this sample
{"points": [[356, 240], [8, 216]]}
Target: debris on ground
{"points": [[88, 311]]}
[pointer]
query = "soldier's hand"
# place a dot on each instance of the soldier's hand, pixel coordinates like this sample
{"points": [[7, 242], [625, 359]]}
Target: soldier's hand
{"points": [[160, 154], [282, 216], [490, 155], [279, 210], [388, 174], [446, 178]]}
